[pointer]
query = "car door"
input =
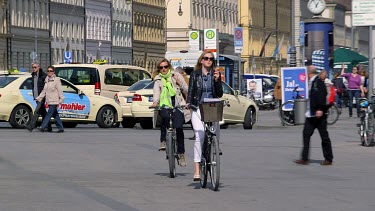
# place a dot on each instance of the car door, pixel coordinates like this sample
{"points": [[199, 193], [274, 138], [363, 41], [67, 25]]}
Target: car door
{"points": [[230, 113], [27, 92], [75, 105]]}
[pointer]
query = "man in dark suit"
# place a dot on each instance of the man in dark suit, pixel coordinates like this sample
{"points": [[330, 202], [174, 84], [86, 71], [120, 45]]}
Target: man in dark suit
{"points": [[316, 118], [38, 77]]}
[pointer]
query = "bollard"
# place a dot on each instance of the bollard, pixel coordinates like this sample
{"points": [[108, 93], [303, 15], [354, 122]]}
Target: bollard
{"points": [[299, 111]]}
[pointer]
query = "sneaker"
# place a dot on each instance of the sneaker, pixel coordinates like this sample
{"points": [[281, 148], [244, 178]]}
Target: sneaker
{"points": [[181, 160], [163, 146]]}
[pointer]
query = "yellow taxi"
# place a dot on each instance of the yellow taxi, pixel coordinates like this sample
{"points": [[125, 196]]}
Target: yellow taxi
{"points": [[135, 107], [17, 104]]}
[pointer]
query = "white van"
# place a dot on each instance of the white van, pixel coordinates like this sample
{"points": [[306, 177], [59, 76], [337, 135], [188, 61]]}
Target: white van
{"points": [[101, 79]]}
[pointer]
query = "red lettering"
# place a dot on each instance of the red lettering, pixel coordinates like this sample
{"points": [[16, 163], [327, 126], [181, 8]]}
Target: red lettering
{"points": [[73, 106]]}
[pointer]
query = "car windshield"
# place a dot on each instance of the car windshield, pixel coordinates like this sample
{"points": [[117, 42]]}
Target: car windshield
{"points": [[139, 85], [150, 85], [5, 80], [78, 75]]}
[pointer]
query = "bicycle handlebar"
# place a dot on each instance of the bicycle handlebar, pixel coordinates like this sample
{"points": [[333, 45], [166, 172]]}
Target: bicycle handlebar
{"points": [[168, 108], [226, 103]]}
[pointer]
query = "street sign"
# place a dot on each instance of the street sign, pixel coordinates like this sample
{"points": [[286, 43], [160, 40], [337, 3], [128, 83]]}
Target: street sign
{"points": [[363, 6], [363, 19], [210, 40], [238, 39], [302, 33], [33, 56], [194, 40], [67, 57], [292, 56]]}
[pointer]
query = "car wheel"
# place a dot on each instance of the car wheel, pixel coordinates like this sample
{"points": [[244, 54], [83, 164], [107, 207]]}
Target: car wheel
{"points": [[146, 124], [128, 122], [70, 124], [105, 117], [20, 117], [248, 121]]}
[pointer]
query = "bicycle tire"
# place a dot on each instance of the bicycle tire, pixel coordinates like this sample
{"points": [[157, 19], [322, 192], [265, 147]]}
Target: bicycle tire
{"points": [[171, 154], [369, 131], [203, 172], [286, 117], [332, 115], [361, 132], [214, 164]]}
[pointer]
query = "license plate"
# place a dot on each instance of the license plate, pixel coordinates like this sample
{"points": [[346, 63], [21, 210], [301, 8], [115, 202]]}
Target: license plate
{"points": [[129, 99], [150, 99]]}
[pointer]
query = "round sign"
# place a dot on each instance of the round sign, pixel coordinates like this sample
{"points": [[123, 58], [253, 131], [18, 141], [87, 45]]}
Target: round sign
{"points": [[210, 34], [33, 55], [238, 34], [194, 35]]}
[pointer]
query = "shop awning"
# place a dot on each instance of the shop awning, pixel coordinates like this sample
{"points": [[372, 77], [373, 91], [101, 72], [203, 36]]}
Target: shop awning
{"points": [[347, 56]]}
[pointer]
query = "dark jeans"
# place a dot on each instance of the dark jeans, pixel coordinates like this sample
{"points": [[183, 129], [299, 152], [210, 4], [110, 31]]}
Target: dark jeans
{"points": [[308, 130], [39, 110], [52, 112], [339, 99], [356, 94], [178, 121]]}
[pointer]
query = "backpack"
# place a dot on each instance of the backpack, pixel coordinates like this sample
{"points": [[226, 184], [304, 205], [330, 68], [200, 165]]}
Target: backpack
{"points": [[331, 94]]}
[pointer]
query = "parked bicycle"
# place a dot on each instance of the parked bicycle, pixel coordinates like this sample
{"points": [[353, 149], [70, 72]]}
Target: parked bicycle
{"points": [[366, 127], [171, 139], [210, 162]]}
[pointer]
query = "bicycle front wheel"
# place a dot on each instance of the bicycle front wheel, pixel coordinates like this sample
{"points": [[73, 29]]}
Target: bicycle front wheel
{"points": [[171, 154], [332, 115], [215, 163], [287, 117], [369, 131]]}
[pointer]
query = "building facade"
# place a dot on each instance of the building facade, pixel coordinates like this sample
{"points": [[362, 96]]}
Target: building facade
{"points": [[4, 34], [98, 30], [122, 30], [183, 16], [26, 16], [67, 30], [148, 33]]}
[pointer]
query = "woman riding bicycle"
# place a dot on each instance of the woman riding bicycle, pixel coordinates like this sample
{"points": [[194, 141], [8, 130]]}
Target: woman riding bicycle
{"points": [[168, 90], [205, 82]]}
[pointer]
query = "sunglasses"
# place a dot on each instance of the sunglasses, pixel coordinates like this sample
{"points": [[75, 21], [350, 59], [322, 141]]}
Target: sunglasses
{"points": [[50, 71], [35, 67], [165, 67], [208, 58]]}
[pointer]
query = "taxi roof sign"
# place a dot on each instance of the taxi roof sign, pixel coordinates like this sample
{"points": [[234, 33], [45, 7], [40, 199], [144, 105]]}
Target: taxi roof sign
{"points": [[100, 61]]}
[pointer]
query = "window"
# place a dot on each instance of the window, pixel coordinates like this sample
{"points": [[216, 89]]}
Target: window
{"points": [[67, 88], [4, 81], [124, 77], [78, 75], [227, 89], [150, 85], [27, 84], [140, 85]]}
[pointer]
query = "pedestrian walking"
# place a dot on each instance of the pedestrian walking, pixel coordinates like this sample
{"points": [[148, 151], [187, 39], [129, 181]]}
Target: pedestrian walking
{"points": [[205, 82], [316, 119], [53, 93], [339, 87], [168, 92], [38, 76]]}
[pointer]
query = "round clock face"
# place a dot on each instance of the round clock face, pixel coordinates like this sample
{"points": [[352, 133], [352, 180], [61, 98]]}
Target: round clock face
{"points": [[316, 6]]}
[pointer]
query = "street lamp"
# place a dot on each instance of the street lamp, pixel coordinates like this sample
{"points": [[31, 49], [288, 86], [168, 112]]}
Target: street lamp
{"points": [[180, 12], [128, 2]]}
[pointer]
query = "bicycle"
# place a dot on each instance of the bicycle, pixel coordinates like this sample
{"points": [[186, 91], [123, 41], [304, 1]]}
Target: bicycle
{"points": [[333, 114], [287, 116], [366, 127], [210, 162], [171, 150]]}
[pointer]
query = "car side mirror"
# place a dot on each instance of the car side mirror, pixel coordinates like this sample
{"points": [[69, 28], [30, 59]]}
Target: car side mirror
{"points": [[80, 92], [236, 92]]}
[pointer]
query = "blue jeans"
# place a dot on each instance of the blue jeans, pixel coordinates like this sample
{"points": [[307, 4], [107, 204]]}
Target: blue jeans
{"points": [[52, 112], [339, 99], [353, 93]]}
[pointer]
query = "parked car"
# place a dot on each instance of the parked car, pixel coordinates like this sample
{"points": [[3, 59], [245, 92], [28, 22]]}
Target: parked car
{"points": [[242, 110], [101, 79], [17, 104]]}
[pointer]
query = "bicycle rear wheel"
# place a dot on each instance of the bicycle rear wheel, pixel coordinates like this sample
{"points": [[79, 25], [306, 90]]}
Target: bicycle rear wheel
{"points": [[369, 131], [332, 115], [215, 163], [287, 117], [171, 154]]}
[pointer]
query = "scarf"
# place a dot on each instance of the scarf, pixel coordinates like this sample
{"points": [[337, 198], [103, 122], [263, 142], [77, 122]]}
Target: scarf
{"points": [[167, 91]]}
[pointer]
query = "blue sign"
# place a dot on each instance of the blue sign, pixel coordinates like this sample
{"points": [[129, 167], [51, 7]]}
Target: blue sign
{"points": [[67, 57], [238, 37], [301, 33], [293, 80]]}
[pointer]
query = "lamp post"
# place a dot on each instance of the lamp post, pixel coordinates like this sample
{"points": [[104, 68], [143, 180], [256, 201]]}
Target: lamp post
{"points": [[132, 31], [35, 56]]}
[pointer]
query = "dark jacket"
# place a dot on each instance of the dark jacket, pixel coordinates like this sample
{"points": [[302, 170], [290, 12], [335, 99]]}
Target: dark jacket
{"points": [[318, 96], [41, 81], [196, 87]]}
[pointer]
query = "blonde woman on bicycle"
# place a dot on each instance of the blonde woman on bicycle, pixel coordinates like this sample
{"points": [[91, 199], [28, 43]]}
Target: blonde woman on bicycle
{"points": [[205, 82]]}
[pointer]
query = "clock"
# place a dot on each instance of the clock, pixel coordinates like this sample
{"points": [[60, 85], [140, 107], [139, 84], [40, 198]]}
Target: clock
{"points": [[316, 6]]}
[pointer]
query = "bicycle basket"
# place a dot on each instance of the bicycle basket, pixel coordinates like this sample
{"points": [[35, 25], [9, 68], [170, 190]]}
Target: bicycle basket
{"points": [[211, 111]]}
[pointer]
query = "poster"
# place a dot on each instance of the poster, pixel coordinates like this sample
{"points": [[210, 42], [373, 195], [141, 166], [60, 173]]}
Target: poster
{"points": [[293, 81], [254, 87]]}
